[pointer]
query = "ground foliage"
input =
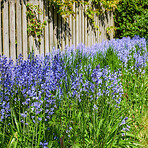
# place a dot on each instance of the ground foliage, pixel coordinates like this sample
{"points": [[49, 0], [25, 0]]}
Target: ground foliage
{"points": [[78, 98]]}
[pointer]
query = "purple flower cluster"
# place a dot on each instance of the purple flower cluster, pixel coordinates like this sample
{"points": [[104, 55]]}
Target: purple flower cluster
{"points": [[123, 123], [124, 47], [6, 86], [35, 85], [31, 82], [44, 144], [107, 83]]}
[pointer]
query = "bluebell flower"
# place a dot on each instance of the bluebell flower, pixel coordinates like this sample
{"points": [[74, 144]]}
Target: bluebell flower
{"points": [[23, 115], [124, 121], [39, 119], [95, 107], [44, 145]]}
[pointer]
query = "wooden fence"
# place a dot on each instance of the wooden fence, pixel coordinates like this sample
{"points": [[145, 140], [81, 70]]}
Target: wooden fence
{"points": [[57, 33]]}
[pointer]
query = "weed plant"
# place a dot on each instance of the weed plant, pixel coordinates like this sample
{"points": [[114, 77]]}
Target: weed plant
{"points": [[74, 98]]}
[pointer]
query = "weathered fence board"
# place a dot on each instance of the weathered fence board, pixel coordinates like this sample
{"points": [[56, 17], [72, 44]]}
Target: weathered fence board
{"points": [[77, 25], [12, 29], [46, 31], [85, 28], [18, 27], [82, 24], [73, 28], [59, 32], [70, 35], [66, 32], [55, 23], [63, 34], [5, 29], [42, 36], [24, 30], [51, 27]]}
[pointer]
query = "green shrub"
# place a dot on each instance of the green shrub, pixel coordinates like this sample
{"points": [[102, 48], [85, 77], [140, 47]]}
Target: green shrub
{"points": [[131, 18]]}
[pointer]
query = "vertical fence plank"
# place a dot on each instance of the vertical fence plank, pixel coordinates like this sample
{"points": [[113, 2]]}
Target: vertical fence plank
{"points": [[59, 31], [89, 39], [111, 24], [100, 26], [18, 27], [5, 29], [63, 34], [89, 31], [94, 31], [73, 28], [12, 29], [34, 40], [70, 31], [46, 31], [0, 31], [99, 30], [24, 30], [67, 32], [96, 28], [85, 28], [30, 37], [77, 26], [105, 25], [97, 23], [55, 28], [51, 27], [93, 35], [82, 24], [41, 19]]}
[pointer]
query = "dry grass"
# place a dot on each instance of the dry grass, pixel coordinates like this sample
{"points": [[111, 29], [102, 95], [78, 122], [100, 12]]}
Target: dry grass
{"points": [[141, 127]]}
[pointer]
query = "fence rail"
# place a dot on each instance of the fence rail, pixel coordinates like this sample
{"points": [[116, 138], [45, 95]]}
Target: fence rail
{"points": [[58, 32]]}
